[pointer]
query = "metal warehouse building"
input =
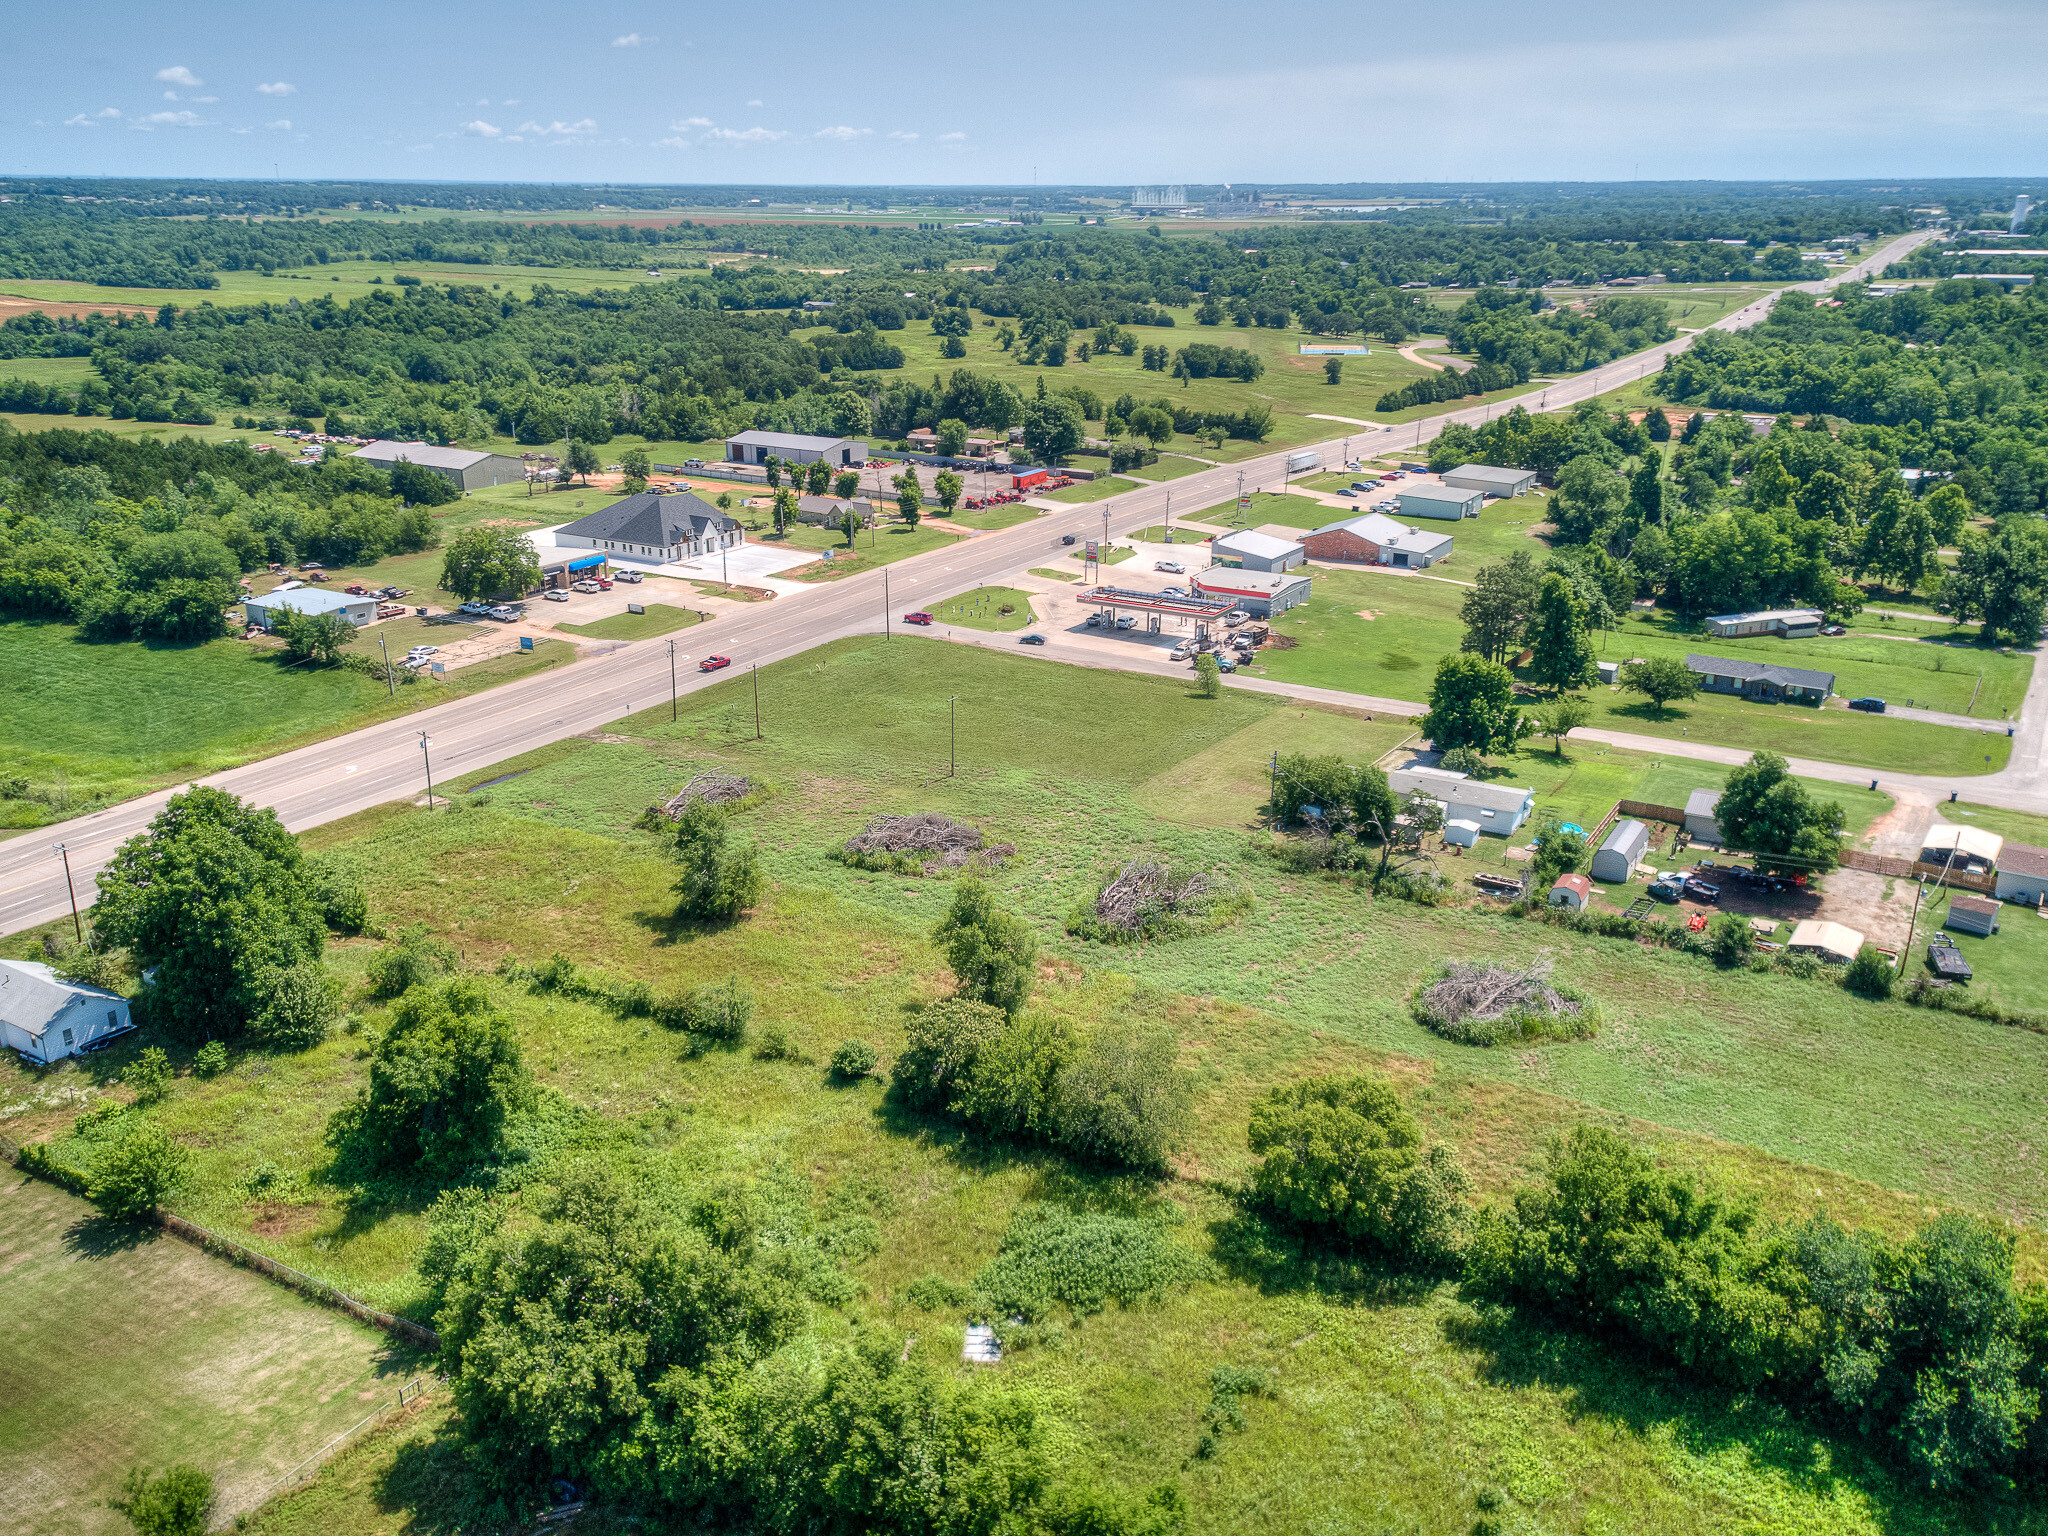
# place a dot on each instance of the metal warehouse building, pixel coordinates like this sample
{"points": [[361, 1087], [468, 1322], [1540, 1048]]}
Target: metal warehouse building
{"points": [[467, 469], [263, 611], [1491, 481], [1446, 502], [1262, 594]]}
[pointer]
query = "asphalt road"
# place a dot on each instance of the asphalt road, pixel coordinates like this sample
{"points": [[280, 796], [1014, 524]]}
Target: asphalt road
{"points": [[346, 774]]}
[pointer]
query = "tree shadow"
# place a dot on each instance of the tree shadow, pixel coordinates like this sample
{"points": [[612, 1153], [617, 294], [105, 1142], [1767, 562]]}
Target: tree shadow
{"points": [[1650, 709], [1277, 1259], [101, 1237], [429, 1482], [669, 928], [1603, 1377]]}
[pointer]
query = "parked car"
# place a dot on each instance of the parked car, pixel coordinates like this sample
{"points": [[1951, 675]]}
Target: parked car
{"points": [[1031, 639], [1833, 629], [1234, 618], [917, 618], [423, 650], [505, 613], [1347, 492], [1225, 664], [357, 590], [416, 662], [391, 611], [1173, 591], [1126, 622], [1667, 890], [1870, 706], [604, 584], [1180, 652], [555, 595], [585, 585], [713, 663], [630, 578], [1700, 890], [1171, 567], [693, 463]]}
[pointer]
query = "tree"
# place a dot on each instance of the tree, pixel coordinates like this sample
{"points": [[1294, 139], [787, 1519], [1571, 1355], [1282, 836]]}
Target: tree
{"points": [[719, 880], [1500, 607], [313, 636], [1661, 678], [1766, 811], [445, 1080], [176, 1504], [635, 465], [485, 562], [909, 496], [344, 904], [1589, 496], [1208, 677], [1471, 704], [1558, 852], [784, 510], [1563, 715], [952, 437], [211, 895], [1053, 428], [818, 475], [1333, 370], [1870, 974], [991, 952], [300, 1005], [1372, 803], [1152, 424], [1646, 492], [849, 524], [149, 1075], [948, 487], [1949, 506], [846, 483], [1564, 656], [1325, 782], [772, 468], [2002, 580], [419, 486], [138, 1173], [1342, 1156], [942, 1045], [580, 459], [1658, 424]]}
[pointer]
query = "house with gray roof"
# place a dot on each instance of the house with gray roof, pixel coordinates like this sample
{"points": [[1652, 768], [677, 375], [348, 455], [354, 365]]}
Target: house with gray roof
{"points": [[1764, 681], [47, 1018], [655, 527], [830, 511], [1496, 808]]}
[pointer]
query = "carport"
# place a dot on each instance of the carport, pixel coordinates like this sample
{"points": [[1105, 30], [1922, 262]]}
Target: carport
{"points": [[1116, 601], [562, 573]]}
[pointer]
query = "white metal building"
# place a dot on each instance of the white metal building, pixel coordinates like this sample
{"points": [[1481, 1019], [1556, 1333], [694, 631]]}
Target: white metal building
{"points": [[47, 1018], [466, 469], [1445, 502], [1621, 852], [1492, 481], [794, 448], [1257, 551], [263, 611]]}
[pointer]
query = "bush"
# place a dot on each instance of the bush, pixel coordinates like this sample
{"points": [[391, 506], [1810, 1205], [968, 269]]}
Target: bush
{"points": [[719, 881], [718, 1012], [339, 894], [1870, 974], [211, 1059], [1343, 1156], [853, 1059], [775, 1045], [300, 1005], [149, 1074], [414, 959], [89, 966], [1730, 939], [175, 1504], [990, 952], [935, 1293], [1084, 1260], [133, 1176], [1123, 1099], [1208, 677], [940, 1048]]}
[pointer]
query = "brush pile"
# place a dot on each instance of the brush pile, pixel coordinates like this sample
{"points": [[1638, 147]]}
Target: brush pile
{"points": [[1145, 891], [711, 788], [926, 841], [1481, 1003]]}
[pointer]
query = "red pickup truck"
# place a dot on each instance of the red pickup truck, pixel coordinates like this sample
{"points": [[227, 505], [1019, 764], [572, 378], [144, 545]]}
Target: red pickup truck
{"points": [[713, 663]]}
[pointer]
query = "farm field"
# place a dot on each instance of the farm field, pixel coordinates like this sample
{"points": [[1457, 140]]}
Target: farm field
{"points": [[1792, 1091], [123, 1348], [343, 280]]}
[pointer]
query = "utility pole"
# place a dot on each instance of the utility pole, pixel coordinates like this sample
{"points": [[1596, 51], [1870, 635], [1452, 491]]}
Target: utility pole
{"points": [[388, 682], [757, 701], [952, 736], [77, 926], [1273, 783], [1906, 955], [672, 682], [723, 575], [888, 629], [427, 763]]}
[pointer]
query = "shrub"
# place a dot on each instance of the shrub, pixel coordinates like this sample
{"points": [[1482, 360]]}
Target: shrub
{"points": [[935, 1293], [990, 952], [339, 894], [89, 966], [1343, 1156], [718, 1012], [415, 958], [149, 1074], [1084, 1260], [300, 1005], [175, 1504], [1123, 1099], [133, 1176], [1870, 974], [853, 1059], [1730, 940], [1208, 677], [211, 1059], [775, 1045], [942, 1042]]}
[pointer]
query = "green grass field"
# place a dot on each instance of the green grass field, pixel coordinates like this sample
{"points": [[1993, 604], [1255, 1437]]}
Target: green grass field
{"points": [[1171, 466], [122, 1348], [989, 519], [344, 280], [1093, 490], [873, 547], [659, 619], [981, 609], [1270, 507], [1795, 1093]]}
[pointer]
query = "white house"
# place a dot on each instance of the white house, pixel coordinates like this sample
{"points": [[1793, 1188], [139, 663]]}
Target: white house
{"points": [[1499, 809], [47, 1018], [263, 611], [654, 527]]}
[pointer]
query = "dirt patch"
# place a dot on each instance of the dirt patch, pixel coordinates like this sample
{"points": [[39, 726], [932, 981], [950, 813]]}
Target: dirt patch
{"points": [[272, 1218], [1367, 614], [12, 304]]}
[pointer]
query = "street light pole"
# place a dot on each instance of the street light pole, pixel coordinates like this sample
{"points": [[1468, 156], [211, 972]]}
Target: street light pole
{"points": [[427, 763], [77, 926]]}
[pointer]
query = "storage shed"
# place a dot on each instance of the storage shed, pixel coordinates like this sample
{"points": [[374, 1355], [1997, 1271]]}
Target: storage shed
{"points": [[1972, 914], [1487, 479], [1700, 824], [1836, 943], [1621, 852], [1462, 834], [2023, 874], [1572, 891], [47, 1018]]}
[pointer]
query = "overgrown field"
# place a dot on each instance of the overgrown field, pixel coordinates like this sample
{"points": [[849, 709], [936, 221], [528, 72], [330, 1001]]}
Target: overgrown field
{"points": [[1393, 1406]]}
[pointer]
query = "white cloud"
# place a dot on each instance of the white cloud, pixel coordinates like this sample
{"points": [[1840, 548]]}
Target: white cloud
{"points": [[842, 133], [753, 103], [509, 101], [634, 40], [276, 88], [241, 130], [483, 101], [479, 129], [673, 141], [108, 112], [746, 135], [560, 130], [170, 120], [952, 138], [283, 124], [80, 121], [901, 137], [688, 123], [178, 74], [170, 95]]}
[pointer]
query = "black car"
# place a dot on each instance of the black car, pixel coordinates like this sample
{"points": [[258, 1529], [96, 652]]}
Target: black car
{"points": [[1699, 890], [1873, 706], [1031, 640], [1068, 539]]}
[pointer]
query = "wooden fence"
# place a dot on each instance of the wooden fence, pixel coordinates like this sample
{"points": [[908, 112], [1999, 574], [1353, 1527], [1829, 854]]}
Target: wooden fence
{"points": [[1914, 869], [235, 1253]]}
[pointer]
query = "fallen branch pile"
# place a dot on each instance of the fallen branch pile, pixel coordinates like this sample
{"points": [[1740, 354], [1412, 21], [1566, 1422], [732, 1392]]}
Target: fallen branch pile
{"points": [[1481, 1003], [1146, 890], [938, 841], [711, 788]]}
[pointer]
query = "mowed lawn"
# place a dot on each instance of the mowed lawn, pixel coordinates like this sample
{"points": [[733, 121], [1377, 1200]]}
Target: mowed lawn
{"points": [[121, 1348]]}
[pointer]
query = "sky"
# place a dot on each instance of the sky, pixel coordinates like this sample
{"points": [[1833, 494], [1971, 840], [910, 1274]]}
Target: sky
{"points": [[1059, 92]]}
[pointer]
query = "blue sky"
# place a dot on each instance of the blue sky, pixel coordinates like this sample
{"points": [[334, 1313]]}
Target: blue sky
{"points": [[901, 93]]}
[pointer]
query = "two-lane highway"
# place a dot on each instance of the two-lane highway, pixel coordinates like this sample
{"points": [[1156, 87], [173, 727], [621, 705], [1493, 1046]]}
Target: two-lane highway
{"points": [[350, 773]]}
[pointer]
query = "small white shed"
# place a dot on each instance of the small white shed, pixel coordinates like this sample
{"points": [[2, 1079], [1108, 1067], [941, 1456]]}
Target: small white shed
{"points": [[47, 1018], [1461, 834], [1571, 892], [1700, 824], [1836, 943], [1972, 914], [1620, 853]]}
